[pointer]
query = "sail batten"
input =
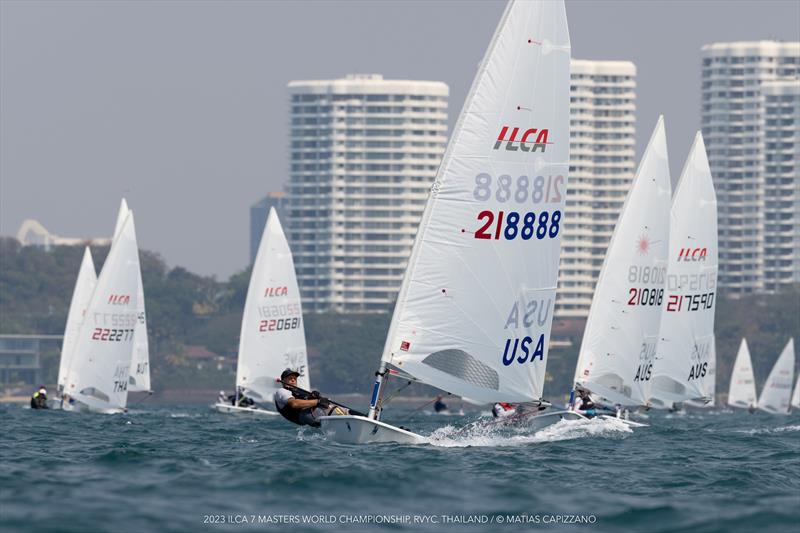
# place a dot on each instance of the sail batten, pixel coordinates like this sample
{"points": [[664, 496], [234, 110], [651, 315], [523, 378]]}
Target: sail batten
{"points": [[474, 312]]}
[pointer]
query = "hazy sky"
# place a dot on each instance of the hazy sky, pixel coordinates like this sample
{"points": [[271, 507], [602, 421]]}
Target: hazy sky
{"points": [[182, 108]]}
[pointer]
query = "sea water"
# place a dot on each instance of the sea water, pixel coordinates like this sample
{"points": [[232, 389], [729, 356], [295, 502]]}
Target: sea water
{"points": [[191, 469]]}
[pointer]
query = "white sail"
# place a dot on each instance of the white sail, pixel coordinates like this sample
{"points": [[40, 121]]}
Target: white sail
{"points": [[686, 335], [98, 374], [122, 214], [709, 381], [796, 395], [742, 390], [778, 388], [139, 379], [84, 287], [619, 341], [475, 309], [272, 336]]}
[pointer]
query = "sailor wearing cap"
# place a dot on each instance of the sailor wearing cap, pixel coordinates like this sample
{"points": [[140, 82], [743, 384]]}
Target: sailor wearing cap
{"points": [[296, 405]]}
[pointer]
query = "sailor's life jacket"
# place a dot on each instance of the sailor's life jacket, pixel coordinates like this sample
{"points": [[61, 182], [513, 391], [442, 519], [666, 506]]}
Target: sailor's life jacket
{"points": [[586, 404]]}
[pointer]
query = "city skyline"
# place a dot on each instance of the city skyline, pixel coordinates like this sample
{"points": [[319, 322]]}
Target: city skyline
{"points": [[183, 109]]}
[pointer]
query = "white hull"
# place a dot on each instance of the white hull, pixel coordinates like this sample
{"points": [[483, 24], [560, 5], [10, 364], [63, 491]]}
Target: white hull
{"points": [[351, 429], [542, 420], [250, 411], [625, 421], [78, 407]]}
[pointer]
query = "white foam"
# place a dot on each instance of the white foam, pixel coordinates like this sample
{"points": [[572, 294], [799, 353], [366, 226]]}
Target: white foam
{"points": [[762, 431], [492, 434]]}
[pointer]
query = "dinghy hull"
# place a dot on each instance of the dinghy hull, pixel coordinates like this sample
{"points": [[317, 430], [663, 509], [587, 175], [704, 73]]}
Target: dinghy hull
{"points": [[361, 430], [248, 411]]}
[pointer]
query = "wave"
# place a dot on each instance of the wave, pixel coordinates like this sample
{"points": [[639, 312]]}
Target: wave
{"points": [[762, 431], [491, 434]]}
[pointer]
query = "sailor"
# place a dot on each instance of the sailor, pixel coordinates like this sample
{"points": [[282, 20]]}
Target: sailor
{"points": [[222, 398], [439, 406], [502, 409], [39, 398], [585, 404], [244, 401], [299, 407]]}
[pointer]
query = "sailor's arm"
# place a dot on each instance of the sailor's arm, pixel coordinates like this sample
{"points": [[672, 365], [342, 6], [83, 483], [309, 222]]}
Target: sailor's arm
{"points": [[294, 403]]}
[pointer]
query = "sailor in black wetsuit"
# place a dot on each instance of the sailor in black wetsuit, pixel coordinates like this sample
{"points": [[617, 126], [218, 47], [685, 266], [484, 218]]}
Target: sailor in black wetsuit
{"points": [[439, 406], [299, 408], [586, 405], [39, 398]]}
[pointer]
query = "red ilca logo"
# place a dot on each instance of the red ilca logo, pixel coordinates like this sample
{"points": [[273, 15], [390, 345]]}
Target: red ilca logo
{"points": [[525, 142], [693, 254], [119, 299]]}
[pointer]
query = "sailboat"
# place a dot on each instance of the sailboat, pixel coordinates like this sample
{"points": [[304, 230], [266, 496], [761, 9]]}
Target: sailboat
{"points": [[778, 388], [97, 375], [272, 336], [81, 294], [475, 308], [742, 390], [685, 346], [619, 343], [139, 378]]}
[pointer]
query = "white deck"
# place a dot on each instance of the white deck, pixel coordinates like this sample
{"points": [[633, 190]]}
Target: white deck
{"points": [[361, 430], [248, 411]]}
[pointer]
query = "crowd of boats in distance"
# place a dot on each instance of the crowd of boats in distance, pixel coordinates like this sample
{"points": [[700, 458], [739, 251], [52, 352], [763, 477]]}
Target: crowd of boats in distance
{"points": [[475, 309]]}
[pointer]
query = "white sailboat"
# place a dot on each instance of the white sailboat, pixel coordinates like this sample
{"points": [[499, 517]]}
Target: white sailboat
{"points": [[139, 379], [272, 336], [474, 312], [778, 388], [684, 352], [619, 342], [742, 390], [97, 377], [84, 287]]}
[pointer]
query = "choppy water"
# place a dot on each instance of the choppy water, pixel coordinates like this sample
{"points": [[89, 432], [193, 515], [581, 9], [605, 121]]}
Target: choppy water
{"points": [[177, 469]]}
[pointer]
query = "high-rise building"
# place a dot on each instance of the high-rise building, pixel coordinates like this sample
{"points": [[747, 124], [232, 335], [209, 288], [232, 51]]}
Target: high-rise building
{"points": [[364, 152], [602, 165], [747, 121], [259, 212], [781, 184]]}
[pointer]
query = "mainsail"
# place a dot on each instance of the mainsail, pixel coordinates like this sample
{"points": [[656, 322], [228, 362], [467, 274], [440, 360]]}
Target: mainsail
{"points": [[684, 352], [98, 373], [742, 390], [84, 287], [272, 336], [139, 379], [778, 388], [619, 341], [475, 309]]}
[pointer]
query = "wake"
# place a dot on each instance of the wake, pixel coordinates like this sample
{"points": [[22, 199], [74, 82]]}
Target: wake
{"points": [[492, 434], [764, 431]]}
